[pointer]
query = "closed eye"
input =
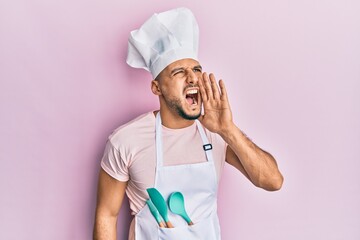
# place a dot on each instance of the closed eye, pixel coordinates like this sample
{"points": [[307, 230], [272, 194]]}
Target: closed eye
{"points": [[176, 73]]}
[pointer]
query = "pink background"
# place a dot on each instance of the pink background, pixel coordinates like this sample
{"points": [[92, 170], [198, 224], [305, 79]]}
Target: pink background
{"points": [[292, 70]]}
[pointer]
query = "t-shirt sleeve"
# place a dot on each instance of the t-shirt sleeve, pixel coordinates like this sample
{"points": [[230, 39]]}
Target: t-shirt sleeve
{"points": [[113, 164]]}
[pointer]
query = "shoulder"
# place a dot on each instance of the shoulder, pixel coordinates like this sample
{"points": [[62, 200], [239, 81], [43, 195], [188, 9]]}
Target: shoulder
{"points": [[141, 127]]}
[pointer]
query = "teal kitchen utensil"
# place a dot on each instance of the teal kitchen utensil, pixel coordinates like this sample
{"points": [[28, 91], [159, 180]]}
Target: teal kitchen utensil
{"points": [[177, 206], [160, 204], [155, 213]]}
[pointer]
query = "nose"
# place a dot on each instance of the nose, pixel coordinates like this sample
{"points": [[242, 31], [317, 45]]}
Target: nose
{"points": [[191, 77]]}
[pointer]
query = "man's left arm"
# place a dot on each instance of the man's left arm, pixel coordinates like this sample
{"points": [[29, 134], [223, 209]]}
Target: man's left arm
{"points": [[256, 164]]}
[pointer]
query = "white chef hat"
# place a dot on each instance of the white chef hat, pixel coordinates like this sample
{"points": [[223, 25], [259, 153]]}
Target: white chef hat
{"points": [[164, 38]]}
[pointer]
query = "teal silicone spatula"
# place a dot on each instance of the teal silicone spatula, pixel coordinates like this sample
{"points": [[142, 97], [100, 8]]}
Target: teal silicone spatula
{"points": [[160, 204], [177, 206], [155, 213]]}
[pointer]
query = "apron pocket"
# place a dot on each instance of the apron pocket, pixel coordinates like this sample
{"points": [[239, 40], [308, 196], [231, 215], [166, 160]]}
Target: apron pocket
{"points": [[202, 230]]}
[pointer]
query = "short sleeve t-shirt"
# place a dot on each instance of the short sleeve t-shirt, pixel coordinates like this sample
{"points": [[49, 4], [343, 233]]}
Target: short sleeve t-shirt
{"points": [[130, 154]]}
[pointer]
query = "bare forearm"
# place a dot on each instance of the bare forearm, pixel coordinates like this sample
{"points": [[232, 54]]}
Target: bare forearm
{"points": [[105, 228], [260, 166]]}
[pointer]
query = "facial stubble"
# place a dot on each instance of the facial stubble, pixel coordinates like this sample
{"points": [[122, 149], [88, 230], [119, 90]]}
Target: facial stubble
{"points": [[175, 104]]}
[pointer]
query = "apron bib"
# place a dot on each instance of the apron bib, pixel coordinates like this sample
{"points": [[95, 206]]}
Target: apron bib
{"points": [[198, 183]]}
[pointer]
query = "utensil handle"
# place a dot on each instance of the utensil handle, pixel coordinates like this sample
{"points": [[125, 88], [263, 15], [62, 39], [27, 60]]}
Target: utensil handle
{"points": [[169, 224]]}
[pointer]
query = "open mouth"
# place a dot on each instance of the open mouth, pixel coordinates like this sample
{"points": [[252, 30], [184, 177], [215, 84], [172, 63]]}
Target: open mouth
{"points": [[192, 96]]}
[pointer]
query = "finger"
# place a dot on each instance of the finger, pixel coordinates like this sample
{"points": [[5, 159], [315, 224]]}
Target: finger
{"points": [[202, 90], [207, 86], [223, 96], [214, 87]]}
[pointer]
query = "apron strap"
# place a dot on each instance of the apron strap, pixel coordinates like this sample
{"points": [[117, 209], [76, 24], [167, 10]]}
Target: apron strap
{"points": [[158, 138], [207, 145]]}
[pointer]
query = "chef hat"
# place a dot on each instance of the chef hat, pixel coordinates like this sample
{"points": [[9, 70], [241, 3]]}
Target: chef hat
{"points": [[164, 38]]}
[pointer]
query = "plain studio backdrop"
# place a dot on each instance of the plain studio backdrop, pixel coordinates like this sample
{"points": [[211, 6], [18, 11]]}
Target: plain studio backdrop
{"points": [[292, 70]]}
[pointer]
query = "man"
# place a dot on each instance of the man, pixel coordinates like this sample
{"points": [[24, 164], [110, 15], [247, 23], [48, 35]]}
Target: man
{"points": [[176, 148]]}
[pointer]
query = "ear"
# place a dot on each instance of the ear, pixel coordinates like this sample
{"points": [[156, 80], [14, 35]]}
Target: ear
{"points": [[155, 88]]}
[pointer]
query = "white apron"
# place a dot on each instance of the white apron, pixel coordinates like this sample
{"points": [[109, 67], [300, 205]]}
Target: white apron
{"points": [[198, 183]]}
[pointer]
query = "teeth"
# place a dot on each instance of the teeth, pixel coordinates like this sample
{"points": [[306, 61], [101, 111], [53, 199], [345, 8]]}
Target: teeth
{"points": [[194, 91]]}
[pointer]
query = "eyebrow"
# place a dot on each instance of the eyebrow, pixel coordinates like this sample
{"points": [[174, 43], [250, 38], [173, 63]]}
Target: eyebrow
{"points": [[181, 68]]}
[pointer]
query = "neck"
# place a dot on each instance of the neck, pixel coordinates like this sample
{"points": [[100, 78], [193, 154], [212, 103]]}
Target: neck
{"points": [[173, 120]]}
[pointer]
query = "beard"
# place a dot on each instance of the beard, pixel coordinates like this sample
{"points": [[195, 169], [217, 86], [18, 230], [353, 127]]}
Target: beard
{"points": [[175, 104]]}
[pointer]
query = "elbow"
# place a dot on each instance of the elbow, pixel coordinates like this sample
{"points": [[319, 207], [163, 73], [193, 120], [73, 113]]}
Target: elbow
{"points": [[272, 184], [277, 184]]}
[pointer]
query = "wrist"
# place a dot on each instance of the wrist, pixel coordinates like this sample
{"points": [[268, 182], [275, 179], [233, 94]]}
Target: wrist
{"points": [[228, 131]]}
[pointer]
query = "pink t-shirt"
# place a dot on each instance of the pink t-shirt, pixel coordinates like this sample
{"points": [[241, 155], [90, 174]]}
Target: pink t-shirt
{"points": [[130, 154]]}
